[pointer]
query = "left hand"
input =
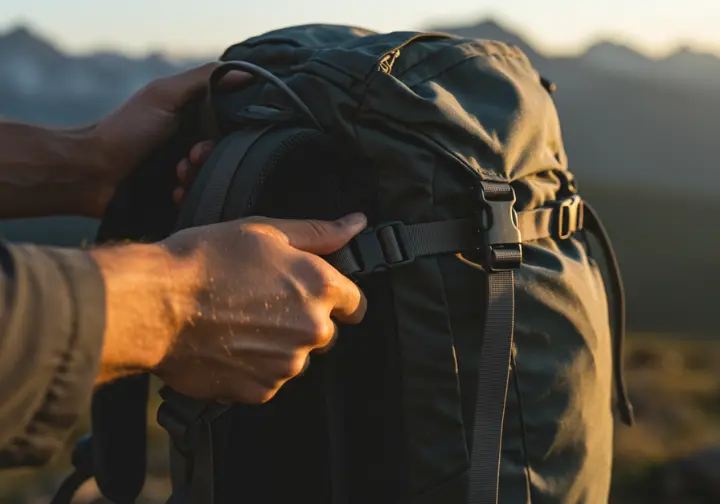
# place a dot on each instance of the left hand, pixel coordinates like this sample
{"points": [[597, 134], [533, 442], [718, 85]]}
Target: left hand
{"points": [[147, 120]]}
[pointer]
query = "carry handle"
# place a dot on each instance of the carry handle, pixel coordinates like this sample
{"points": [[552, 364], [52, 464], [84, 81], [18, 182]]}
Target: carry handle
{"points": [[257, 71]]}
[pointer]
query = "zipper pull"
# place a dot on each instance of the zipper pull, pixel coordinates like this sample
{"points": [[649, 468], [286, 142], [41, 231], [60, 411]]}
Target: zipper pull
{"points": [[388, 61]]}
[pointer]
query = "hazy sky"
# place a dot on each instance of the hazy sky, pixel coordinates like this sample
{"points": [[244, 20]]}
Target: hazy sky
{"points": [[207, 26]]}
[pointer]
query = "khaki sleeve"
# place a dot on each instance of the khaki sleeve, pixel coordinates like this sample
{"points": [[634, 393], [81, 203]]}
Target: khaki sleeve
{"points": [[52, 317]]}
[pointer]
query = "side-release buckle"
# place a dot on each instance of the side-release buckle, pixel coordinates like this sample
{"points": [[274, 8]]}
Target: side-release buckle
{"points": [[382, 247], [500, 244]]}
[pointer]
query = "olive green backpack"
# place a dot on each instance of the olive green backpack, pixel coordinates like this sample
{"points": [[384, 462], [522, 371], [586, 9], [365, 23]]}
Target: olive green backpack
{"points": [[483, 370]]}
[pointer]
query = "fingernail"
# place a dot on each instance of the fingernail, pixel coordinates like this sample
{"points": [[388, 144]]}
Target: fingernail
{"points": [[182, 170], [353, 220]]}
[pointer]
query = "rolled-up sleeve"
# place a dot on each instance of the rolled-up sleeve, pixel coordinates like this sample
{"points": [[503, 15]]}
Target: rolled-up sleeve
{"points": [[52, 319]]}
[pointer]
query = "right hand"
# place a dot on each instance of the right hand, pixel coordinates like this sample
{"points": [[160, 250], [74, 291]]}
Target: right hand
{"points": [[262, 300]]}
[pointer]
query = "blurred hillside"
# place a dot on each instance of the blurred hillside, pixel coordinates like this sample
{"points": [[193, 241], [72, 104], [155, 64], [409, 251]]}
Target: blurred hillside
{"points": [[640, 135]]}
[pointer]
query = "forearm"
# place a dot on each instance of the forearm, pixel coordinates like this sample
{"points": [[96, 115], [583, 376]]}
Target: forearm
{"points": [[49, 172]]}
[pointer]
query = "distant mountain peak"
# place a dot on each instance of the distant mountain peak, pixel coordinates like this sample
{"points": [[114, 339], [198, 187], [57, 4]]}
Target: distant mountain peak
{"points": [[687, 53], [492, 24], [616, 47], [491, 29], [608, 53], [23, 38], [19, 32]]}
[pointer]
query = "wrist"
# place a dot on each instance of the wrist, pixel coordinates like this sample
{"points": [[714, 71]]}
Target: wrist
{"points": [[150, 296], [50, 172], [92, 164]]}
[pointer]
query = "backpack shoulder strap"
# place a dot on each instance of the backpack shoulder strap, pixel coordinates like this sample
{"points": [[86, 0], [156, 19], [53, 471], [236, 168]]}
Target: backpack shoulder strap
{"points": [[225, 189]]}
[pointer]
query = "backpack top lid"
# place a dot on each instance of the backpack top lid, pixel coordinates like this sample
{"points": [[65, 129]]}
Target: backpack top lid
{"points": [[479, 103]]}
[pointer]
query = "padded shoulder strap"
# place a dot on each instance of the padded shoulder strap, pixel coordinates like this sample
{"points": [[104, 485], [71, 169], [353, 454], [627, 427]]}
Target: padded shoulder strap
{"points": [[206, 198], [225, 187]]}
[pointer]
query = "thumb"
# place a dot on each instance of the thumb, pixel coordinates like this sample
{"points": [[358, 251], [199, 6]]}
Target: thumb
{"points": [[321, 237]]}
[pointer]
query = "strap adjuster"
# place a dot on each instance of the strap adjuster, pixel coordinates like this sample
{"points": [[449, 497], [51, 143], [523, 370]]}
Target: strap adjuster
{"points": [[497, 222], [183, 417], [382, 247], [570, 216]]}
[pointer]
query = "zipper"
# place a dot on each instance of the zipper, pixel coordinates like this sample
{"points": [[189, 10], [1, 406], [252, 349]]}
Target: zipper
{"points": [[387, 60]]}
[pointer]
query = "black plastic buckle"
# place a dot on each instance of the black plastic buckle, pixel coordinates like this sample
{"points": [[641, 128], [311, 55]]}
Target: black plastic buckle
{"points": [[571, 213], [500, 241], [183, 432], [370, 249]]}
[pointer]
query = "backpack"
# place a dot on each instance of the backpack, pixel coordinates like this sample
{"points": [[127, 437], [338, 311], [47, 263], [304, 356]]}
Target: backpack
{"points": [[483, 370]]}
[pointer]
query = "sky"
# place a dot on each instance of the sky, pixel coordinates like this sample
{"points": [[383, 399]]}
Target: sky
{"points": [[200, 28]]}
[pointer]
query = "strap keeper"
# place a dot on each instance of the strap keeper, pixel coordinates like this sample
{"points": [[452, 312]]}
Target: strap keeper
{"points": [[570, 216], [382, 247]]}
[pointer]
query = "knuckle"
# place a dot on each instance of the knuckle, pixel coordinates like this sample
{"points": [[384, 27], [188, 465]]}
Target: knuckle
{"points": [[252, 225], [320, 283], [250, 238], [322, 330], [295, 366]]}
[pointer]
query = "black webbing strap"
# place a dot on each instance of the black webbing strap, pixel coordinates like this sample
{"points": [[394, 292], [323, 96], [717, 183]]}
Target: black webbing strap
{"points": [[595, 226], [394, 243], [195, 428], [499, 252], [492, 385], [69, 486]]}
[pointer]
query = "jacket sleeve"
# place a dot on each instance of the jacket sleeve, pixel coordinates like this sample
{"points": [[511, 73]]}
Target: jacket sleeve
{"points": [[52, 318]]}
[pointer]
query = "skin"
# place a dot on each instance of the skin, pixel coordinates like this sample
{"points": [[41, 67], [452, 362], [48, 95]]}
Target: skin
{"points": [[227, 312]]}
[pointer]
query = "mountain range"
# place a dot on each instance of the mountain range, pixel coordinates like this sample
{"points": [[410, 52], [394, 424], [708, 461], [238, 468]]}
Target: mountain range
{"points": [[649, 118], [641, 135], [38, 82]]}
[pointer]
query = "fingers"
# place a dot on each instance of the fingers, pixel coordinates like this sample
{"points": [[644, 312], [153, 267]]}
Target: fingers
{"points": [[188, 168], [234, 79], [200, 152], [328, 346], [336, 295], [176, 90], [178, 195], [182, 170], [319, 237], [348, 302]]}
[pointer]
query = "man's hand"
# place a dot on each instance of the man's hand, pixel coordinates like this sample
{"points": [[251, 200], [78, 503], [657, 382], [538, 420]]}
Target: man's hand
{"points": [[147, 120], [46, 171], [227, 312]]}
